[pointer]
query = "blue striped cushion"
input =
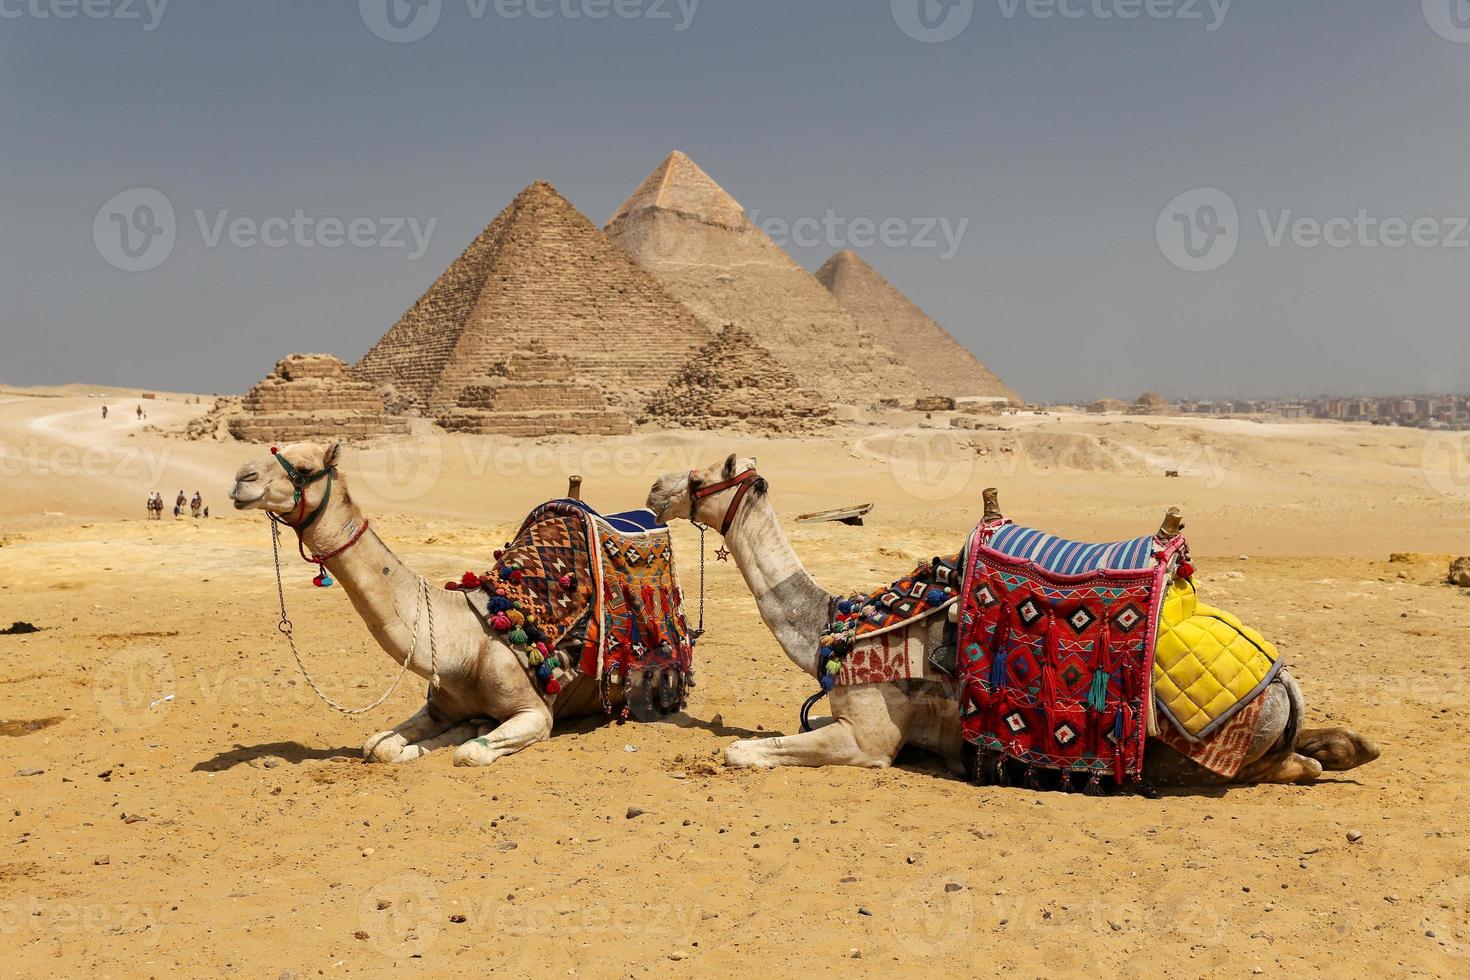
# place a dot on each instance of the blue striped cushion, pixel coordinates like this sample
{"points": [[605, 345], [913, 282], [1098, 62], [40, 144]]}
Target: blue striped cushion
{"points": [[629, 522], [1063, 557]]}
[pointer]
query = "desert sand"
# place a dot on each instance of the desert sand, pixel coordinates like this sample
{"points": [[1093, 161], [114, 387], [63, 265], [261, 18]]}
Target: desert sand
{"points": [[197, 811]]}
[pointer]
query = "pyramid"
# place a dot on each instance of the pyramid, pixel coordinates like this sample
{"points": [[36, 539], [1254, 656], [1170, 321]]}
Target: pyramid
{"points": [[538, 395], [685, 229], [540, 273], [734, 382], [947, 367], [312, 396]]}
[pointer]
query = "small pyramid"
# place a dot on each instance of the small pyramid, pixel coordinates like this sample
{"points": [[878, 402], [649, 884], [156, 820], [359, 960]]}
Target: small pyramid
{"points": [[312, 396], [734, 382], [540, 273], [947, 367], [694, 237]]}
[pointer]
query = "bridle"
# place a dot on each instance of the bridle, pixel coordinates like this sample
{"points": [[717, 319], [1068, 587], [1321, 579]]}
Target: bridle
{"points": [[301, 521], [698, 493]]}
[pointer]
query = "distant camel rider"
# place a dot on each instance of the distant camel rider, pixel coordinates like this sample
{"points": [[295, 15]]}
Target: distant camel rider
{"points": [[196, 505]]}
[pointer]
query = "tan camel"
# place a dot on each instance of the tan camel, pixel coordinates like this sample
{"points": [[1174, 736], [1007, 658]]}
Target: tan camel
{"points": [[872, 722], [479, 677]]}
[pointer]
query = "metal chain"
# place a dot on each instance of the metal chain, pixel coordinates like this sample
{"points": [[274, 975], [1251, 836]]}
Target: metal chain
{"points": [[700, 630], [285, 627]]}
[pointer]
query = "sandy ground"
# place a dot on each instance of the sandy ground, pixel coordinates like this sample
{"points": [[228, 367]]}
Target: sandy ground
{"points": [[197, 811]]}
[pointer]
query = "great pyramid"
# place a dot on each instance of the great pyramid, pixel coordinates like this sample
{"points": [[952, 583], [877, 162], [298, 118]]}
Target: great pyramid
{"points": [[685, 229], [540, 273], [947, 367], [735, 382]]}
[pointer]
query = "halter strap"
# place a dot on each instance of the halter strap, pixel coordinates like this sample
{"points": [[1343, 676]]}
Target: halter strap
{"points": [[299, 482], [743, 481]]}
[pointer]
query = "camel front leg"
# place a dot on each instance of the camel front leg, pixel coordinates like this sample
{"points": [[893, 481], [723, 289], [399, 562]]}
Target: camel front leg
{"points": [[457, 735], [867, 730], [389, 746], [526, 727]]}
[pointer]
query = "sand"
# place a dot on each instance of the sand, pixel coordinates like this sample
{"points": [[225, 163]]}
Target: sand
{"points": [[197, 811]]}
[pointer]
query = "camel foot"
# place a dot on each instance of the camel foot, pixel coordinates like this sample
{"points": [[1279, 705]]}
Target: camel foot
{"points": [[515, 734], [748, 754], [384, 747], [1337, 749], [833, 745], [1282, 767]]}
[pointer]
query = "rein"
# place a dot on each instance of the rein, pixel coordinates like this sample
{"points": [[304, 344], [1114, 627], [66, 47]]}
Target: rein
{"points": [[299, 482]]}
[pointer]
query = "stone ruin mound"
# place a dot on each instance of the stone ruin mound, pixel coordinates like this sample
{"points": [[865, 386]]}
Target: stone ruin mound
{"points": [[734, 382], [533, 393], [312, 396]]}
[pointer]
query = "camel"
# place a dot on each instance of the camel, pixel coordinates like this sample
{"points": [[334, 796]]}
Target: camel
{"points": [[871, 723], [474, 676]]}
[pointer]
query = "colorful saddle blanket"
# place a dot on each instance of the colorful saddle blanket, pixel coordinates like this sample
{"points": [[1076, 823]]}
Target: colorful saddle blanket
{"points": [[577, 594], [868, 640], [1208, 664], [1055, 666]]}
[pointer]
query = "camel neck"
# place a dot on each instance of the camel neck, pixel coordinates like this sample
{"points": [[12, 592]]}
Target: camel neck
{"points": [[792, 605], [384, 591]]}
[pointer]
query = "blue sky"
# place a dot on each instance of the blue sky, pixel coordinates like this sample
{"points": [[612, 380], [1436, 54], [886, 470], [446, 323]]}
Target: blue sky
{"points": [[1054, 136]]}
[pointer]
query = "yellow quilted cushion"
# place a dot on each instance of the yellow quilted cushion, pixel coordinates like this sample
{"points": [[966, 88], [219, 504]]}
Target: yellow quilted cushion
{"points": [[1207, 663]]}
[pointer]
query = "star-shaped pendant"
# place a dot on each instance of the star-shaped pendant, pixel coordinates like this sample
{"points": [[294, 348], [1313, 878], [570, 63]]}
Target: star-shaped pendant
{"points": [[721, 554]]}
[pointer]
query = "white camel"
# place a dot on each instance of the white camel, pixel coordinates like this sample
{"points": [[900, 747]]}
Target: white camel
{"points": [[871, 722], [483, 702]]}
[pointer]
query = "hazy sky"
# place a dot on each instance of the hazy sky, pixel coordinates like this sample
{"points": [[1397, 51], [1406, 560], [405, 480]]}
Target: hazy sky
{"points": [[1047, 137]]}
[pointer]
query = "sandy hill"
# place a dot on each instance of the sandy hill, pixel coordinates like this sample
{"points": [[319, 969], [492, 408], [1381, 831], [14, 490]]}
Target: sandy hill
{"points": [[541, 272], [947, 367], [690, 233], [734, 381]]}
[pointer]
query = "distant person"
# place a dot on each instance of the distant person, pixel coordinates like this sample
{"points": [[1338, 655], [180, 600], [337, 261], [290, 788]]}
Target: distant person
{"points": [[140, 413], [206, 513], [104, 413], [196, 505], [180, 502]]}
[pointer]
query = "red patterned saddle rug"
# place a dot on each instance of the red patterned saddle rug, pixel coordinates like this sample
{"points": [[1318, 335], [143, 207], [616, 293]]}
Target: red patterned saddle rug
{"points": [[1055, 668], [575, 594]]}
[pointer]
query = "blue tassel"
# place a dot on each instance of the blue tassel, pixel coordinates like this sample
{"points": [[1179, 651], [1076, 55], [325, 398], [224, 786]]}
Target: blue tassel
{"points": [[828, 681], [544, 673], [936, 596], [1118, 727], [1097, 696], [499, 604]]}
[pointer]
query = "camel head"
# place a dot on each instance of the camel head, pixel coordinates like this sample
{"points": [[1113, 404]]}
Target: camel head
{"points": [[266, 483], [671, 494]]}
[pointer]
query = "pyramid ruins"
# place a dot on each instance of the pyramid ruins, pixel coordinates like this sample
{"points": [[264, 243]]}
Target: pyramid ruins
{"points": [[685, 229], [538, 395], [947, 367], [312, 396], [472, 351], [734, 382]]}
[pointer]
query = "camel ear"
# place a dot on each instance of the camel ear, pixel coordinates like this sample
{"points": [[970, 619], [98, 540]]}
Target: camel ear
{"points": [[333, 456], [730, 467]]}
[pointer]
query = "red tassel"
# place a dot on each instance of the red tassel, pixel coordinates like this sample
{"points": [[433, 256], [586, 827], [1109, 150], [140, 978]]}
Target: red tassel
{"points": [[553, 686], [451, 586], [1186, 570]]}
